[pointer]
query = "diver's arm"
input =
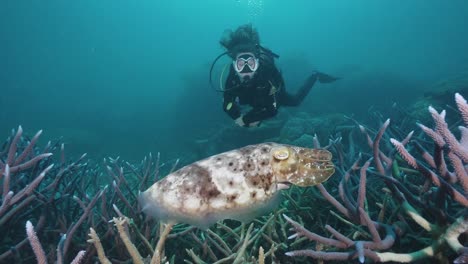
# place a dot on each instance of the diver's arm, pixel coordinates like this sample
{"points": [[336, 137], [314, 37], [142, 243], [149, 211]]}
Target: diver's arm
{"points": [[256, 115], [230, 106]]}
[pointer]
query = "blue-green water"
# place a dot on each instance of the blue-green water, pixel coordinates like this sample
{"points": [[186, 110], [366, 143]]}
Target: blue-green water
{"points": [[124, 78]]}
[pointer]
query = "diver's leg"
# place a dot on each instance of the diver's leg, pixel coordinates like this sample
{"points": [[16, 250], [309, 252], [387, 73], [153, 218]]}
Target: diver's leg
{"points": [[325, 78], [287, 99], [295, 100]]}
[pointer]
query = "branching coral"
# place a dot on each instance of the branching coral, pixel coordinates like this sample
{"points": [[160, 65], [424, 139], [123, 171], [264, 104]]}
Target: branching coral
{"points": [[35, 189], [39, 251], [443, 199], [399, 202]]}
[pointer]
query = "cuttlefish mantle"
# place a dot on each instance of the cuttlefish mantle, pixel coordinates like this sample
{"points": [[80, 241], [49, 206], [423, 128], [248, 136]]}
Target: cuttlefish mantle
{"points": [[240, 184]]}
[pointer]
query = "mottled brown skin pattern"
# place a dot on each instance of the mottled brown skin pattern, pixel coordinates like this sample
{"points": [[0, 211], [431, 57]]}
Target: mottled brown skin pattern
{"points": [[251, 164], [234, 184], [204, 187]]}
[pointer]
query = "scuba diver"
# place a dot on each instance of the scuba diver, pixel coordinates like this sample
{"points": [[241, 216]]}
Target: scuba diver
{"points": [[254, 79]]}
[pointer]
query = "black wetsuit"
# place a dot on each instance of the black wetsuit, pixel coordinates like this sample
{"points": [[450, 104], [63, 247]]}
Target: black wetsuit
{"points": [[265, 93]]}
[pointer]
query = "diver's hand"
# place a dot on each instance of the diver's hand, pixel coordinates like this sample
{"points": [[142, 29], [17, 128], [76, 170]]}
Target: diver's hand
{"points": [[240, 121], [254, 124]]}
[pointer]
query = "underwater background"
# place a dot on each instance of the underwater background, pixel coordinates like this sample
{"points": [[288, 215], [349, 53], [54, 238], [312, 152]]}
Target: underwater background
{"points": [[125, 78], [121, 79]]}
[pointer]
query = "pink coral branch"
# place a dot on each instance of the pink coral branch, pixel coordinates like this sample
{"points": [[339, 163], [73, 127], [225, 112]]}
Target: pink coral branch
{"points": [[362, 186], [333, 201], [6, 181], [31, 187], [407, 138], [6, 202], [404, 153], [426, 155], [443, 130], [13, 146], [348, 202], [376, 149], [364, 131], [464, 136], [460, 171], [17, 208], [35, 244], [462, 107], [340, 256], [433, 135], [339, 236], [28, 164], [302, 231], [28, 149], [79, 257], [370, 225], [62, 156], [456, 195]]}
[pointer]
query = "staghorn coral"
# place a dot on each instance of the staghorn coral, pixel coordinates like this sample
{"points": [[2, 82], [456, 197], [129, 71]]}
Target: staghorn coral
{"points": [[440, 208], [395, 202], [30, 184], [39, 251]]}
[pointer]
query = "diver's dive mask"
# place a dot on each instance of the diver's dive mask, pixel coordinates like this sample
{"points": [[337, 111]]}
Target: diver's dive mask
{"points": [[245, 64]]}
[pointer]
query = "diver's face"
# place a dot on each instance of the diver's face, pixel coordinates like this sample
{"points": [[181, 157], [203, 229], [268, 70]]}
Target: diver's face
{"points": [[245, 65]]}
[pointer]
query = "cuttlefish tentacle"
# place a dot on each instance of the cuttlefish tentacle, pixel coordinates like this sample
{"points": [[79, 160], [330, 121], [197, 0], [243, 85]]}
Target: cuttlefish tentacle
{"points": [[239, 184]]}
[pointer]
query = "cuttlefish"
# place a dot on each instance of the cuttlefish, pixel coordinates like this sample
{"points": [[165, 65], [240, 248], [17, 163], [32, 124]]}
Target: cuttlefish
{"points": [[240, 184]]}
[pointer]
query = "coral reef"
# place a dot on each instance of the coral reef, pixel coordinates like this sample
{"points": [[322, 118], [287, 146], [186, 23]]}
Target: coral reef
{"points": [[429, 196], [390, 200]]}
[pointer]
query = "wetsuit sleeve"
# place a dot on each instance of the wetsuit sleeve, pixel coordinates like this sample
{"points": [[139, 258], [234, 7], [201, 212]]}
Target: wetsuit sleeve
{"points": [[230, 105], [260, 114]]}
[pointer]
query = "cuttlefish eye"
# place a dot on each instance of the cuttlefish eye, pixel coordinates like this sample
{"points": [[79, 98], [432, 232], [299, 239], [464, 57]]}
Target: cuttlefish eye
{"points": [[281, 153]]}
